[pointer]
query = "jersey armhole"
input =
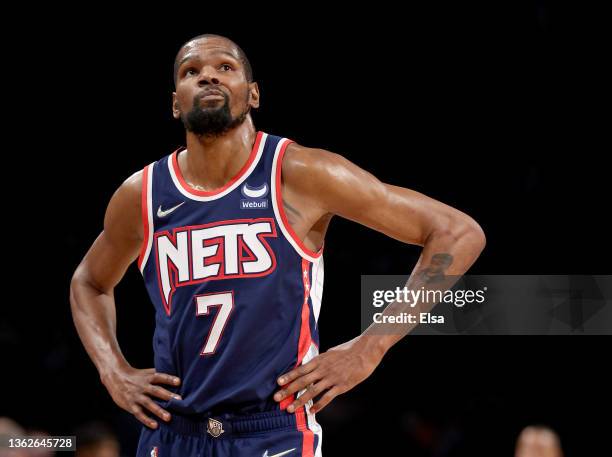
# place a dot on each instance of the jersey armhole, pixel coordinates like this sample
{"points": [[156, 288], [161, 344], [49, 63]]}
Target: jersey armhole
{"points": [[147, 216], [279, 210]]}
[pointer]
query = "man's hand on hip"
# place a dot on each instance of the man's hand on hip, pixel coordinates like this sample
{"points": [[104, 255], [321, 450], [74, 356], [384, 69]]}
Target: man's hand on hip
{"points": [[330, 374], [132, 389]]}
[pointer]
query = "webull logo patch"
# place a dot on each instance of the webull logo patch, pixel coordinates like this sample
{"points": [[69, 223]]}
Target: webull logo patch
{"points": [[255, 197]]}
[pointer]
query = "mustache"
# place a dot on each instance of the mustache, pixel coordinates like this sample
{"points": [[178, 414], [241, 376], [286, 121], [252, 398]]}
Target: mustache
{"points": [[199, 95]]}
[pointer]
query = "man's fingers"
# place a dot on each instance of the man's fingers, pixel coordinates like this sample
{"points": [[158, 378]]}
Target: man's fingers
{"points": [[297, 372], [325, 399], [154, 408], [297, 385], [142, 417], [162, 393], [163, 378], [308, 395]]}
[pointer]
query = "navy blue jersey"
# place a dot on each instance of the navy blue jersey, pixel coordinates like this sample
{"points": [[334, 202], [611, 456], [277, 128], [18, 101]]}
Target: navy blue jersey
{"points": [[236, 293]]}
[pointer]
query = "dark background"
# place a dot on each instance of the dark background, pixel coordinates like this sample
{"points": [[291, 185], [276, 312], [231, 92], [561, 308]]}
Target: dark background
{"points": [[495, 108]]}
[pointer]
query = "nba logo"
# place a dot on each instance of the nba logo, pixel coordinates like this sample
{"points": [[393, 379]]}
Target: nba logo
{"points": [[154, 452]]}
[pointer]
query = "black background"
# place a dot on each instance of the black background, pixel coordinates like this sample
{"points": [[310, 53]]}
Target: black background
{"points": [[495, 108]]}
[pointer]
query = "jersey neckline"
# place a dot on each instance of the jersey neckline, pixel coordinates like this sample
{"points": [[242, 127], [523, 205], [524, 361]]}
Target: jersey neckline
{"points": [[204, 195]]}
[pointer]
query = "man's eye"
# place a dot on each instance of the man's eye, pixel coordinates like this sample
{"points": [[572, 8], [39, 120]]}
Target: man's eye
{"points": [[190, 72], [226, 67]]}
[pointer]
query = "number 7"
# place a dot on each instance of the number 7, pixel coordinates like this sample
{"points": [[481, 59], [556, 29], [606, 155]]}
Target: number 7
{"points": [[225, 301]]}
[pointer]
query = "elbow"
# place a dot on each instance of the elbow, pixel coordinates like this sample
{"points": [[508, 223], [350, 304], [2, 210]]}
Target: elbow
{"points": [[83, 281], [74, 285], [461, 228], [78, 283], [471, 234], [478, 237]]}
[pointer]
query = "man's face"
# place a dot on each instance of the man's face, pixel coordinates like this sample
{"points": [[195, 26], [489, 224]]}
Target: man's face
{"points": [[212, 92]]}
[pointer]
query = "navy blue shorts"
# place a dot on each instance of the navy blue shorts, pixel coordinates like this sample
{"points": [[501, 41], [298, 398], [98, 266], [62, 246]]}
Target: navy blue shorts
{"points": [[268, 434]]}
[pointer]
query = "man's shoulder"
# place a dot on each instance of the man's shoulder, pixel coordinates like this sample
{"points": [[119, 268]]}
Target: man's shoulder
{"points": [[306, 165], [124, 210], [131, 187], [299, 154]]}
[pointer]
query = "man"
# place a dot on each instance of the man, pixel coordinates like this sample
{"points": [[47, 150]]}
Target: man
{"points": [[229, 236], [538, 441]]}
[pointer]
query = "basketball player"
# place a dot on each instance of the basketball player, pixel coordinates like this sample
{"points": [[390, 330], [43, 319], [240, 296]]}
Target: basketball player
{"points": [[228, 234]]}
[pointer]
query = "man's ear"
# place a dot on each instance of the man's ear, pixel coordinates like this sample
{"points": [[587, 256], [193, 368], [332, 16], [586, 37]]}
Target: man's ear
{"points": [[176, 112], [254, 95]]}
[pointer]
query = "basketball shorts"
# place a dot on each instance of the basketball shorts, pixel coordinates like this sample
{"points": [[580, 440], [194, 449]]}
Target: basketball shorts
{"points": [[267, 434]]}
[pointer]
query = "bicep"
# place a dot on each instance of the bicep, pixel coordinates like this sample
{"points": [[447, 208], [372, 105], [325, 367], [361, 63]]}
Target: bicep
{"points": [[407, 215], [107, 261], [398, 212], [119, 243]]}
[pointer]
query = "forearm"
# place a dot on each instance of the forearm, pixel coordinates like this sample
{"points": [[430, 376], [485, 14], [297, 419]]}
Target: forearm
{"points": [[93, 312], [446, 256]]}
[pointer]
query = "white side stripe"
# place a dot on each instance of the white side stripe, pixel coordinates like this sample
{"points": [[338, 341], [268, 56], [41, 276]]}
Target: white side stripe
{"points": [[316, 289], [149, 217], [312, 423]]}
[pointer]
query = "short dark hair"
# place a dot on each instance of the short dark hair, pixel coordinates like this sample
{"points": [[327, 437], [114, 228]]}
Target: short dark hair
{"points": [[248, 70]]}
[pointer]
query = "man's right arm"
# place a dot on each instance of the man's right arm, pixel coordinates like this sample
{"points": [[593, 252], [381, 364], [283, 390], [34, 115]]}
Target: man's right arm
{"points": [[93, 306]]}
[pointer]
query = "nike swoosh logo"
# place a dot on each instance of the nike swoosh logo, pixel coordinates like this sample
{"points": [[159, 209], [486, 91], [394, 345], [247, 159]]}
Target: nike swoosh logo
{"points": [[279, 454], [164, 213], [256, 192]]}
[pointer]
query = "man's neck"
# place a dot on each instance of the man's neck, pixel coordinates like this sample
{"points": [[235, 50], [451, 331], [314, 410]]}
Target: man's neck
{"points": [[210, 162]]}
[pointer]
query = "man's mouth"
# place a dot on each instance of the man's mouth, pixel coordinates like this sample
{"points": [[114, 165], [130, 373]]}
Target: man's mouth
{"points": [[212, 95]]}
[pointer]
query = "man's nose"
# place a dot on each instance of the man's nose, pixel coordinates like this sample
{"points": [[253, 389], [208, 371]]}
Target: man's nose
{"points": [[207, 77]]}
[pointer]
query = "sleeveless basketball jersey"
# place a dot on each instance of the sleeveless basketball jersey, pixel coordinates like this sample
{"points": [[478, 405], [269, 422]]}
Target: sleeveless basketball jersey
{"points": [[236, 293]]}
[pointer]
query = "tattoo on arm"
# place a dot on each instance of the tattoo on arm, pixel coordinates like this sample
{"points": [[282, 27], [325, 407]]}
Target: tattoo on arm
{"points": [[436, 270], [292, 214]]}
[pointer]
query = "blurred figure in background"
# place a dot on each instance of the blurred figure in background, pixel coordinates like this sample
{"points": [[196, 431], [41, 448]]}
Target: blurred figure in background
{"points": [[40, 451], [538, 441], [11, 429], [96, 440]]}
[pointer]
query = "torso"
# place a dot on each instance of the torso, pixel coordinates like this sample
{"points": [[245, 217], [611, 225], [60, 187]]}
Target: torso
{"points": [[227, 245]]}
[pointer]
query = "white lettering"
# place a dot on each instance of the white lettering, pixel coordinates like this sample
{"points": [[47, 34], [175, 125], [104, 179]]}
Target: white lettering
{"points": [[177, 255], [220, 242]]}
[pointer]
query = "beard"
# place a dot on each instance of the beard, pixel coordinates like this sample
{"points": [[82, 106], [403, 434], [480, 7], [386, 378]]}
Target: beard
{"points": [[212, 121]]}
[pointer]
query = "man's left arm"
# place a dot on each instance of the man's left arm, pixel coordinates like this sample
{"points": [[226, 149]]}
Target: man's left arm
{"points": [[451, 241]]}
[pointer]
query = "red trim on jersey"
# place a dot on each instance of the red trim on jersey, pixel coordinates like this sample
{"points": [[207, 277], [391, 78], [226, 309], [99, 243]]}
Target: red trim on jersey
{"points": [[205, 193], [305, 338], [281, 209], [304, 341], [286, 402], [145, 214], [307, 434], [242, 248], [173, 273]]}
